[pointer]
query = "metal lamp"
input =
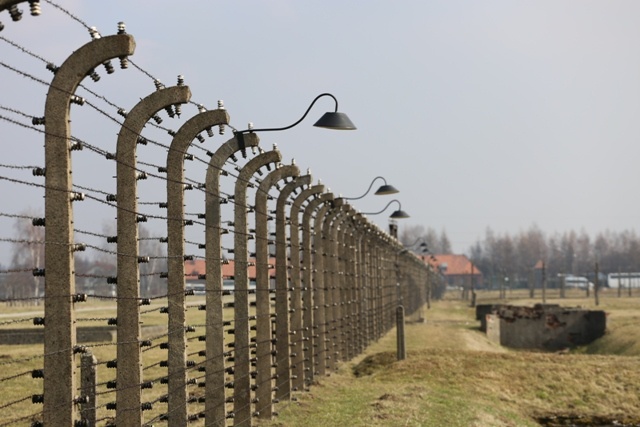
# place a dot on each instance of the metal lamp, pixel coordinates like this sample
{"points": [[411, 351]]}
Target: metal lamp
{"points": [[382, 191], [398, 214], [330, 120]]}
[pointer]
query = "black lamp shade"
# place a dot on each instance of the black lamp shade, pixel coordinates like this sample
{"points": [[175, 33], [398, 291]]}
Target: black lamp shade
{"points": [[386, 189], [338, 121], [399, 214]]}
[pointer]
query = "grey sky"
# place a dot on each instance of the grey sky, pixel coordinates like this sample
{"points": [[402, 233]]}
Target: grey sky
{"points": [[493, 114]]}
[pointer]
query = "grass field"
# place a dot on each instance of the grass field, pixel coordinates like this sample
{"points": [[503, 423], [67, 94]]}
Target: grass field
{"points": [[453, 376], [16, 359]]}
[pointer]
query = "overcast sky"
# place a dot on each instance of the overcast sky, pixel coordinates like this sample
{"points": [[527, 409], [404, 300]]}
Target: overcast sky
{"points": [[496, 114]]}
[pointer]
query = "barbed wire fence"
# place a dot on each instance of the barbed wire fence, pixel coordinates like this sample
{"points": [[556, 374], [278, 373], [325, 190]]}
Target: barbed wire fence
{"points": [[222, 283]]}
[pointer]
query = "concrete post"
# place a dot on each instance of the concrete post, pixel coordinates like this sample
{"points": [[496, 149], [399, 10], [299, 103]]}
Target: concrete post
{"points": [[319, 288], [363, 278], [334, 281], [544, 283], [60, 337], [307, 266], [88, 387], [215, 399], [596, 285], [352, 332], [369, 271], [177, 363], [242, 378], [264, 407], [375, 314], [339, 271], [129, 372], [381, 289], [329, 246], [340, 291], [290, 373], [401, 346], [298, 344]]}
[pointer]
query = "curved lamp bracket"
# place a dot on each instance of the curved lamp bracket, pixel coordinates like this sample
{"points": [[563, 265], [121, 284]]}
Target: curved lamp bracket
{"points": [[382, 191], [398, 214], [330, 120]]}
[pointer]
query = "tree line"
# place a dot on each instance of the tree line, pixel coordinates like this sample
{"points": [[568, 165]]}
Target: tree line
{"points": [[515, 255], [95, 269], [497, 256]]}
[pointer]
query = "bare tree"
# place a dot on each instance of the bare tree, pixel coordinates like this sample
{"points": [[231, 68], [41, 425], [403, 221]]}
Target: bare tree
{"points": [[444, 243], [150, 282], [28, 256], [413, 235]]}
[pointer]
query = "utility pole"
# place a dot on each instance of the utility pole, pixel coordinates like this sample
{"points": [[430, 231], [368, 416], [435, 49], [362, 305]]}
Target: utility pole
{"points": [[473, 288], [544, 283], [596, 286]]}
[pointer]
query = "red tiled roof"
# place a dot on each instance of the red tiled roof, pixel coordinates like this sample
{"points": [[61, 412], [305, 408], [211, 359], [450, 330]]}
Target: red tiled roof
{"points": [[456, 264]]}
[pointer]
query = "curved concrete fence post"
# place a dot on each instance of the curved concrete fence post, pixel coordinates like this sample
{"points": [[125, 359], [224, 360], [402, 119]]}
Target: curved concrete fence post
{"points": [[350, 260], [390, 287], [337, 273], [242, 374], [177, 412], [370, 280], [363, 328], [395, 286], [319, 289], [215, 399], [356, 327], [364, 278], [60, 338], [378, 285], [305, 284], [129, 372], [293, 279], [329, 250], [264, 406], [285, 348]]}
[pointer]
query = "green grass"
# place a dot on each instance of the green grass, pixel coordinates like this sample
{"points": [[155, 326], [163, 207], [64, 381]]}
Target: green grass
{"points": [[454, 376]]}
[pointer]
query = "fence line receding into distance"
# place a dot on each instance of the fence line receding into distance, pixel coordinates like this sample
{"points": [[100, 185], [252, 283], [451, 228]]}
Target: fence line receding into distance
{"points": [[225, 283]]}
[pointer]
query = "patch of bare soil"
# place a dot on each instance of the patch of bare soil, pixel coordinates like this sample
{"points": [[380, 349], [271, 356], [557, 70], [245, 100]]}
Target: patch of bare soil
{"points": [[373, 363]]}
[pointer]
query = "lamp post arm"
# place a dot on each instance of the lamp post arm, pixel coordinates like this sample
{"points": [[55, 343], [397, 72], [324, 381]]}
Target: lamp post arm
{"points": [[385, 208], [368, 190], [294, 124]]}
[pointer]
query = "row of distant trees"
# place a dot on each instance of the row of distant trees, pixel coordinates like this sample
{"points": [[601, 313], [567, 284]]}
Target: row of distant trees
{"points": [[570, 252], [94, 268], [514, 256], [414, 236], [497, 256]]}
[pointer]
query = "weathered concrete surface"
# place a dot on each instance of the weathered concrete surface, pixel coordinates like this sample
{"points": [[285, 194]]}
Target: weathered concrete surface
{"points": [[483, 309], [544, 327]]}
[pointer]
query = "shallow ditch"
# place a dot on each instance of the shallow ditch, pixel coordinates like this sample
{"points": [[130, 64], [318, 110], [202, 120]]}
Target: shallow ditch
{"points": [[587, 421]]}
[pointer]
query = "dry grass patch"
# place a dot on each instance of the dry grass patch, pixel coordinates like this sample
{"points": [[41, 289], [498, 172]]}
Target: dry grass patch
{"points": [[454, 376]]}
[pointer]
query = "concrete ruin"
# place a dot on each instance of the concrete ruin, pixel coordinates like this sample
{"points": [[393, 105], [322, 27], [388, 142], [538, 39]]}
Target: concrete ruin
{"points": [[543, 326]]}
